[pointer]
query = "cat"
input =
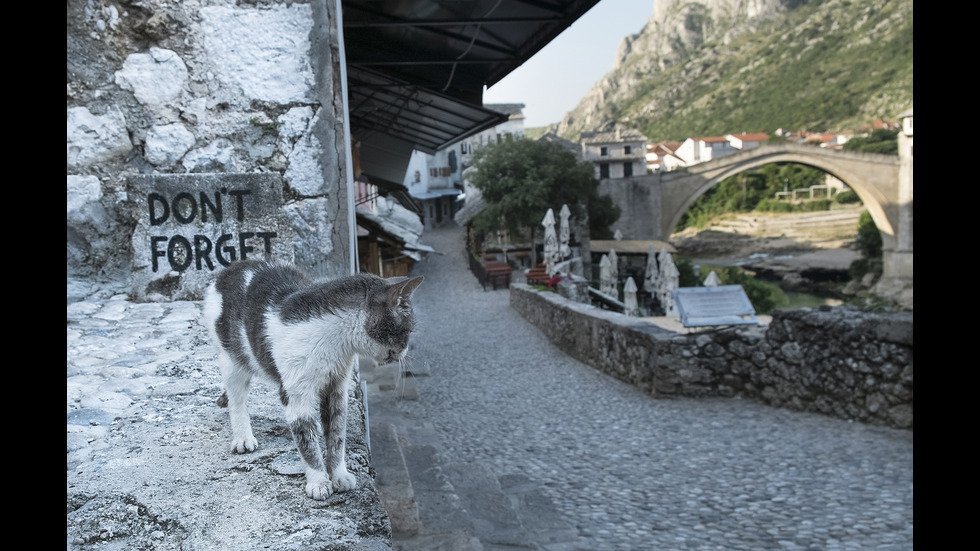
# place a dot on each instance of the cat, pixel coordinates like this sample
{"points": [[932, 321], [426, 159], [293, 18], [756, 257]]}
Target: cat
{"points": [[271, 319]]}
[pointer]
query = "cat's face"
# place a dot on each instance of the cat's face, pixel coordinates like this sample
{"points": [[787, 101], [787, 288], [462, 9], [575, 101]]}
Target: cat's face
{"points": [[391, 319]]}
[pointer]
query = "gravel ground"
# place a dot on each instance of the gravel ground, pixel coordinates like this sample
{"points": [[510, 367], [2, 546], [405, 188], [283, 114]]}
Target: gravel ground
{"points": [[627, 471]]}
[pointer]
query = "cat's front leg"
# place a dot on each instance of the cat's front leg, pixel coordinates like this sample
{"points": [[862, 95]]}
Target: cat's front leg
{"points": [[333, 418], [306, 432]]}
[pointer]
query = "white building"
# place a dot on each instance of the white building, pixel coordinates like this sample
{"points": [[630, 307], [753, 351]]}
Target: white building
{"points": [[617, 154], [439, 182], [700, 150], [661, 156]]}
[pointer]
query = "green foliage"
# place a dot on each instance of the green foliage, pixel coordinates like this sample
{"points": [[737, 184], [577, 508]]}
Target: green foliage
{"points": [[763, 296], [868, 238], [815, 205], [774, 205], [760, 295], [521, 179], [847, 196], [817, 66], [880, 141], [869, 243], [686, 269], [755, 190]]}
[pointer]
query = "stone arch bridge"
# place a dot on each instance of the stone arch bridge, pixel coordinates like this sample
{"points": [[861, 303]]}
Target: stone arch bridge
{"points": [[652, 205]]}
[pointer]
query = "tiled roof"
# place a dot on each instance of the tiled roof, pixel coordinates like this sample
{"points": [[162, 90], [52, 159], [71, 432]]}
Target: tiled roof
{"points": [[711, 139], [756, 137], [664, 147]]}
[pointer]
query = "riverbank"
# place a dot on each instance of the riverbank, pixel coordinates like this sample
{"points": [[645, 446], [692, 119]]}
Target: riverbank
{"points": [[809, 252], [775, 235]]}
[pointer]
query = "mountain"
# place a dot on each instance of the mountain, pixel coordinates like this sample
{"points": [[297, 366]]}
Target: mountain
{"points": [[711, 67]]}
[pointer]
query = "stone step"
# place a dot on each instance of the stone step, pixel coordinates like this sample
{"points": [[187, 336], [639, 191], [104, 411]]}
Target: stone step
{"points": [[393, 480], [444, 521]]}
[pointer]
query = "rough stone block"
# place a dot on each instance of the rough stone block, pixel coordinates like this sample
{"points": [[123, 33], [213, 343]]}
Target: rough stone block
{"points": [[189, 226]]}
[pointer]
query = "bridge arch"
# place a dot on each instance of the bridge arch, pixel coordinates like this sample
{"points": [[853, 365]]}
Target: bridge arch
{"points": [[873, 177]]}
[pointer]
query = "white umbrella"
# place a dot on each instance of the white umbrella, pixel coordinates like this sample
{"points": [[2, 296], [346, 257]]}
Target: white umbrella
{"points": [[712, 280], [652, 272], [629, 298], [605, 282], [614, 272], [563, 234], [550, 242], [669, 280]]}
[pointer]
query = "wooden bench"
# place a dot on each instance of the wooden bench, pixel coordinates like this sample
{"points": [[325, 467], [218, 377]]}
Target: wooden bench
{"points": [[498, 273], [537, 275]]}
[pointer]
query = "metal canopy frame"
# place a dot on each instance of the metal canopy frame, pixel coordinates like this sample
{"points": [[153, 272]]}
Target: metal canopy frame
{"points": [[416, 70], [430, 121]]}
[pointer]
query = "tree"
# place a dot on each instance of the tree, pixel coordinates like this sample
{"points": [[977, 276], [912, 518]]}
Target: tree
{"points": [[521, 179], [880, 141], [870, 245]]}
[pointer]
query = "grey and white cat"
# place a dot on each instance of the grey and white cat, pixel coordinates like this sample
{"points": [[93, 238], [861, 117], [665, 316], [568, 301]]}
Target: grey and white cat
{"points": [[272, 319]]}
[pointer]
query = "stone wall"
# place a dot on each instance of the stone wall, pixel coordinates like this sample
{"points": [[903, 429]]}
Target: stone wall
{"points": [[200, 87], [638, 199], [218, 89], [844, 362]]}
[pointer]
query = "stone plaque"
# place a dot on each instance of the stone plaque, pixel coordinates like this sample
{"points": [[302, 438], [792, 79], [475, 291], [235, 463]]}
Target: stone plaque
{"points": [[189, 226], [720, 305]]}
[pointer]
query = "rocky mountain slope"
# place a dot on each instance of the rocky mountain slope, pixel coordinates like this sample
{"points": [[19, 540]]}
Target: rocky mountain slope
{"points": [[709, 67]]}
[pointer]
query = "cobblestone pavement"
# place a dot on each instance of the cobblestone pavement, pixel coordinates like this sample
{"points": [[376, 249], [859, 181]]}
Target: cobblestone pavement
{"points": [[586, 462]]}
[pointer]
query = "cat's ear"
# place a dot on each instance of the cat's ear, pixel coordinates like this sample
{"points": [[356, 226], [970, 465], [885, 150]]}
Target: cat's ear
{"points": [[400, 289]]}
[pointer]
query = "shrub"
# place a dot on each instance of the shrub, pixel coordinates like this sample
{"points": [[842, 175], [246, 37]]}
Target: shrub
{"points": [[847, 196], [868, 238], [816, 205], [869, 243], [686, 269], [772, 205], [760, 295]]}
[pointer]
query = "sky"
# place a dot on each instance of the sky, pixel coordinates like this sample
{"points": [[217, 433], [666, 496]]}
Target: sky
{"points": [[552, 82]]}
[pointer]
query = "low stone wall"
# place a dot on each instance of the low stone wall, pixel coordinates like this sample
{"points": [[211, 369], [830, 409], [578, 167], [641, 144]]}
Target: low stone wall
{"points": [[844, 362]]}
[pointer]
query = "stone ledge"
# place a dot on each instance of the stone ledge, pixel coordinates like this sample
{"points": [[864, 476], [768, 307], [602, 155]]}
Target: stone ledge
{"points": [[843, 362]]}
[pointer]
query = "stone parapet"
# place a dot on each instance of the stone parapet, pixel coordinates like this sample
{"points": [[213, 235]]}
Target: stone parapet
{"points": [[148, 456], [844, 362]]}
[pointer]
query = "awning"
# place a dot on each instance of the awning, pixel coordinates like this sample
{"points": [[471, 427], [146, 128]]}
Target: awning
{"points": [[437, 193], [380, 104], [416, 70]]}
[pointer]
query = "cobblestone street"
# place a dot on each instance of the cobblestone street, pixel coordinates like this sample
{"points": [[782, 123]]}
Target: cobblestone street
{"points": [[513, 444]]}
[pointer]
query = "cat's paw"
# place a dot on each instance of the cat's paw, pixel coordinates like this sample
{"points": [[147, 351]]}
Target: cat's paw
{"points": [[247, 444], [343, 481], [318, 487]]}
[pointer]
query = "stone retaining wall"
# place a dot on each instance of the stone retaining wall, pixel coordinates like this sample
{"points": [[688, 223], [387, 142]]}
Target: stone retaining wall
{"points": [[845, 362], [203, 87]]}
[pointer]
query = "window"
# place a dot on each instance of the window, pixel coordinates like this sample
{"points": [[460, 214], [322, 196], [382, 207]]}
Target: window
{"points": [[603, 151], [627, 169], [628, 149], [603, 170]]}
